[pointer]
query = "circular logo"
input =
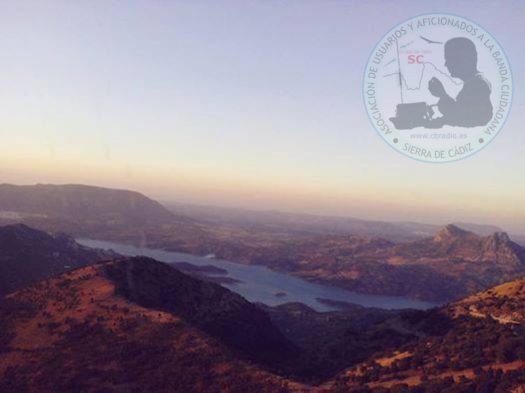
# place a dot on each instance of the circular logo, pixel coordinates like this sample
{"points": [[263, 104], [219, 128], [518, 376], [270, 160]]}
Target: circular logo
{"points": [[438, 88]]}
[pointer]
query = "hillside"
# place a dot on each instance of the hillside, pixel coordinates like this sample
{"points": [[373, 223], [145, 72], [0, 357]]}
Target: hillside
{"points": [[136, 325], [474, 345], [28, 255], [332, 341], [504, 303]]}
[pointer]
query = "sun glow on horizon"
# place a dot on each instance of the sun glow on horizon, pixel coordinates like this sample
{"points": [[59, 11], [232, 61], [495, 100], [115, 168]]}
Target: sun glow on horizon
{"points": [[244, 112]]}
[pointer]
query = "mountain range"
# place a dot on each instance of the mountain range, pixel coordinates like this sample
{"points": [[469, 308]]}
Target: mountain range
{"points": [[134, 324], [405, 260], [316, 224], [81, 210], [79, 319], [447, 266], [87, 210]]}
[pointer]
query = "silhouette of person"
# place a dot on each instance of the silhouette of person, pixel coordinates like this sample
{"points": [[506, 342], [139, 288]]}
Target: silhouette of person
{"points": [[472, 106]]}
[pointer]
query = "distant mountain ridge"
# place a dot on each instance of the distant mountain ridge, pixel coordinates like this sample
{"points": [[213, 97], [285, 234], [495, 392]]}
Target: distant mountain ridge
{"points": [[320, 224], [88, 210], [42, 203], [454, 242], [81, 210], [72, 202]]}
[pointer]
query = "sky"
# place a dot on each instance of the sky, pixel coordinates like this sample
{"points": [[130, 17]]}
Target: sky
{"points": [[252, 104]]}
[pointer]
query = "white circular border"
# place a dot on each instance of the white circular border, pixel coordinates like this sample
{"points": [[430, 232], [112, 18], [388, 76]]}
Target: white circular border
{"points": [[390, 138]]}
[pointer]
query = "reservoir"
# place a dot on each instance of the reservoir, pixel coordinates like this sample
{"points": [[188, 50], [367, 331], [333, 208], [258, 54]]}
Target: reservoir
{"points": [[260, 284]]}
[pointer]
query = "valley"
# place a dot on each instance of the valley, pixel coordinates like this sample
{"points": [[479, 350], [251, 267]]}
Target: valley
{"points": [[178, 303], [135, 323], [426, 263], [260, 284], [193, 197]]}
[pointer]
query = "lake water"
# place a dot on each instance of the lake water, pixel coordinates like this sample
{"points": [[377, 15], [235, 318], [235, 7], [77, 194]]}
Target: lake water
{"points": [[260, 284]]}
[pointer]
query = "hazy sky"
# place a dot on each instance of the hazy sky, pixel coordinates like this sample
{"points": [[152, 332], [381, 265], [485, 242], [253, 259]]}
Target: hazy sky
{"points": [[238, 103]]}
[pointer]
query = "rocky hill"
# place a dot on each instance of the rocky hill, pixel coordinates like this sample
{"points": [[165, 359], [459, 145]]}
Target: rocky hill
{"points": [[452, 264], [453, 244], [28, 255]]}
